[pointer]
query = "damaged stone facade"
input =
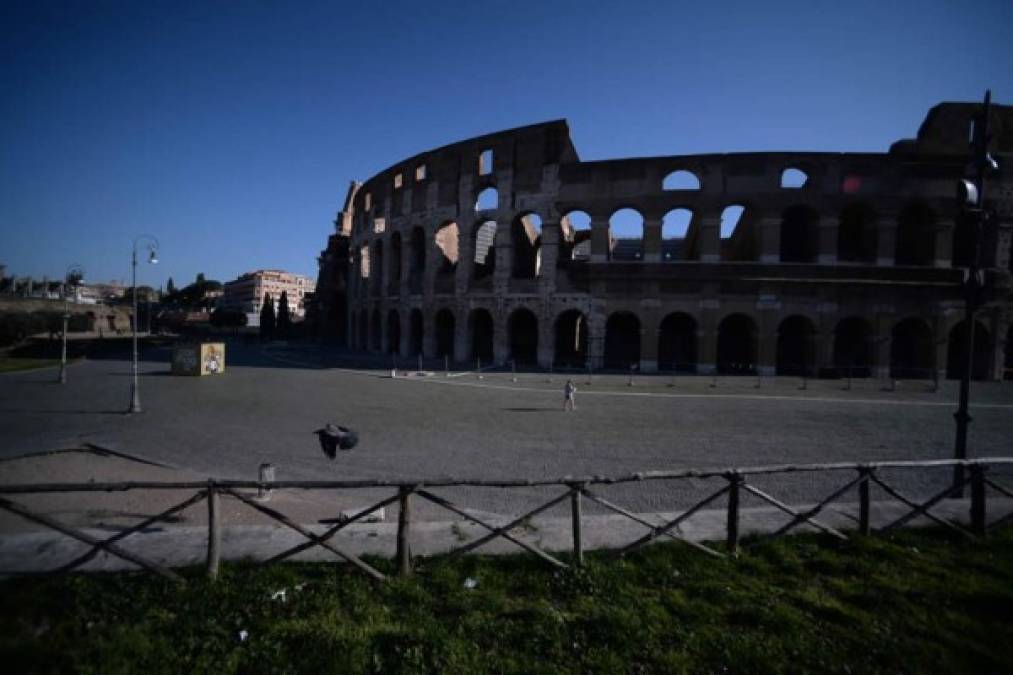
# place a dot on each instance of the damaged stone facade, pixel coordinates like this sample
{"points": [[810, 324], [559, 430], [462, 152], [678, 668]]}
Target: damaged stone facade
{"points": [[508, 247]]}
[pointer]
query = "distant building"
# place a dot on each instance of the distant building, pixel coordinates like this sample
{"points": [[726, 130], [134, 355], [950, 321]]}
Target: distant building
{"points": [[247, 292]]}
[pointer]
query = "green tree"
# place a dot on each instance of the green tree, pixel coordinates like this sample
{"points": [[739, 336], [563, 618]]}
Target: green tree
{"points": [[267, 320], [284, 320], [228, 318]]}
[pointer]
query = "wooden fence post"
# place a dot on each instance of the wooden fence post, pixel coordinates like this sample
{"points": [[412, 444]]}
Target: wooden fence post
{"points": [[575, 511], [864, 522], [978, 500], [734, 481], [404, 519], [214, 531]]}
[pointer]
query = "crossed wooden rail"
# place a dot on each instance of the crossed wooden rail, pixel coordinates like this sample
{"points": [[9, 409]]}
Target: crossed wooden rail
{"points": [[576, 489]]}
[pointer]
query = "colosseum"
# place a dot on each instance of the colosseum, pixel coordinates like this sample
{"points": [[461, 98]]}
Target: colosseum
{"points": [[509, 247]]}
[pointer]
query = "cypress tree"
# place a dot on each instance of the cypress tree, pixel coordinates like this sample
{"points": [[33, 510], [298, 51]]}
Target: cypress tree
{"points": [[284, 320], [267, 319]]}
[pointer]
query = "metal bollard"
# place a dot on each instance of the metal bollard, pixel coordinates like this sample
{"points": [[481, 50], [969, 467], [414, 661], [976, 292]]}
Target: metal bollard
{"points": [[266, 476]]}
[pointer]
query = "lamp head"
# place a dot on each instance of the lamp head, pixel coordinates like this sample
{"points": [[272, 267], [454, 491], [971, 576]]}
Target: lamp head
{"points": [[153, 257]]}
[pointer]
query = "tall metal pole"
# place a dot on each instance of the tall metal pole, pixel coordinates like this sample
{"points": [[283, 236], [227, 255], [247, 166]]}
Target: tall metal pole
{"points": [[135, 397], [972, 297], [63, 351]]}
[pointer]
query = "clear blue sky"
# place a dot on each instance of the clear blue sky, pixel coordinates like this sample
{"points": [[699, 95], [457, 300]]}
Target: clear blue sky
{"points": [[230, 130]]}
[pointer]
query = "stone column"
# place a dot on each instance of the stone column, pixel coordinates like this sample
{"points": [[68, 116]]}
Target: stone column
{"points": [[406, 332], [707, 337], [462, 346], [652, 240], [596, 338], [432, 260], [500, 336], [944, 244], [766, 348], [710, 238], [770, 239], [599, 239], [465, 256], [428, 333], [881, 345], [649, 347], [549, 253], [940, 346], [406, 250], [546, 340], [828, 231], [504, 252], [886, 242]]}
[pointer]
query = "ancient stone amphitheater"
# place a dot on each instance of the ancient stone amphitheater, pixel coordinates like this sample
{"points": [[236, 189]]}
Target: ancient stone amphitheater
{"points": [[509, 247]]}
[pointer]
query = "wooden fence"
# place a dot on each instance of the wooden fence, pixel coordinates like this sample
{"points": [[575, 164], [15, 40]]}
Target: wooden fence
{"points": [[575, 489]]}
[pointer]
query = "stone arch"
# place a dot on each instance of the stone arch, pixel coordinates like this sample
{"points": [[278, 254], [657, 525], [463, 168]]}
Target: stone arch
{"points": [[677, 348], [956, 352], [674, 230], [522, 328], [487, 200], [916, 235], [417, 267], [622, 340], [526, 240], [799, 234], [416, 332], [626, 234], [853, 347], [737, 337], [444, 326], [575, 237], [856, 234], [481, 330], [395, 262], [793, 178], [681, 180], [738, 237], [375, 331], [393, 332], [911, 349], [796, 346], [571, 339], [485, 250]]}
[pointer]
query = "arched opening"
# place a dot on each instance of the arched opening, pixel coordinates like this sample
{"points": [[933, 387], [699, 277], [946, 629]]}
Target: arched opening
{"points": [[480, 327], [394, 287], [571, 339], [737, 345], [447, 242], [677, 343], [575, 237], [853, 347], [796, 346], [485, 250], [444, 333], [416, 334], [674, 229], [799, 234], [393, 332], [626, 235], [417, 270], [793, 179], [622, 340], [856, 234], [377, 265], [956, 352], [526, 238], [523, 328], [916, 236], [963, 241], [911, 350], [738, 239], [375, 331], [681, 180], [488, 200]]}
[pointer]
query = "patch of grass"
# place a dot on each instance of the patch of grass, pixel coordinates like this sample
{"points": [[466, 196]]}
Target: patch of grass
{"points": [[916, 602], [9, 364]]}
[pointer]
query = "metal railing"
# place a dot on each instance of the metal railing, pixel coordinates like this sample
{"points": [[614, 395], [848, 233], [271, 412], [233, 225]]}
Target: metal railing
{"points": [[736, 483]]}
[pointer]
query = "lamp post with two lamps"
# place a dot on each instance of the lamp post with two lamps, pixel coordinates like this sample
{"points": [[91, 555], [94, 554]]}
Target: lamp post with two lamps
{"points": [[75, 275], [152, 244]]}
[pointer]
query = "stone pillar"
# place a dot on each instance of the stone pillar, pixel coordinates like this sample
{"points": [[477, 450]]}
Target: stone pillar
{"points": [[886, 242], [649, 342], [940, 345], [500, 337], [406, 250], [546, 341], [707, 337], [599, 240], [465, 257], [710, 238], [944, 244], [770, 239], [549, 253], [428, 333], [504, 252], [462, 345], [406, 332], [596, 338], [828, 229], [881, 345], [999, 326], [432, 260], [766, 348], [652, 240]]}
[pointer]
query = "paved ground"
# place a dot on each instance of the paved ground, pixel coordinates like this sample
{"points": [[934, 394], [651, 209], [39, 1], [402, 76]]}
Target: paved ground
{"points": [[267, 404]]}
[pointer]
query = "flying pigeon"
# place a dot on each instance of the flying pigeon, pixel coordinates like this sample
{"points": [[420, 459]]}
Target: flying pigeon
{"points": [[333, 437]]}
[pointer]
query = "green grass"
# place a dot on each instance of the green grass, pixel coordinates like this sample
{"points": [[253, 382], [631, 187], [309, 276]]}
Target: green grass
{"points": [[8, 364], [919, 603]]}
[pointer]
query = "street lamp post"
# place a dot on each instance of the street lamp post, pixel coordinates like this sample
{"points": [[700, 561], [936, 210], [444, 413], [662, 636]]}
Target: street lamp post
{"points": [[972, 195], [135, 398], [75, 274]]}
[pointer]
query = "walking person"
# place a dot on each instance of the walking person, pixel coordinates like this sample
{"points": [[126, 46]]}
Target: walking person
{"points": [[568, 399]]}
